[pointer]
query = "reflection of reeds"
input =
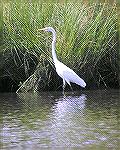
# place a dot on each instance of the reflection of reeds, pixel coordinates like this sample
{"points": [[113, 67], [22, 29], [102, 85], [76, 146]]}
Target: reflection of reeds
{"points": [[87, 39]]}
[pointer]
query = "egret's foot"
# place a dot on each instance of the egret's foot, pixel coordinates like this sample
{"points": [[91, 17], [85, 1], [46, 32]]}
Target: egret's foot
{"points": [[73, 93], [63, 92]]}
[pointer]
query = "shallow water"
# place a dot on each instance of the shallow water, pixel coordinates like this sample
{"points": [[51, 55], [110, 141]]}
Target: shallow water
{"points": [[83, 120]]}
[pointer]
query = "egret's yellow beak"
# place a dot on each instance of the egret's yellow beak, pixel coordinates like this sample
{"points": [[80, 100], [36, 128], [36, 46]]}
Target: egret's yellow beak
{"points": [[43, 29]]}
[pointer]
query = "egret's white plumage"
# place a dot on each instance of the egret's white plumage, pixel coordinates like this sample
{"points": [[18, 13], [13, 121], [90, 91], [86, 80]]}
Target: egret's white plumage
{"points": [[67, 74]]}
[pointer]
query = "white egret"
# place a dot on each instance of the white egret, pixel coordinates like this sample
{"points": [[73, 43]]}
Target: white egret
{"points": [[67, 74]]}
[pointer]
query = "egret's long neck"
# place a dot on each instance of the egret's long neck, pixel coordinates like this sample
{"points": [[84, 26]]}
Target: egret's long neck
{"points": [[53, 47]]}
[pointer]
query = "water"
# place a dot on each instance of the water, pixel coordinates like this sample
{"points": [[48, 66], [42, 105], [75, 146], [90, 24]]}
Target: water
{"points": [[83, 120]]}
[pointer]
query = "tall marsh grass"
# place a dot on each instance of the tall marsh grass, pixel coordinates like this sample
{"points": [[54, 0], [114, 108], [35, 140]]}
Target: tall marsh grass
{"points": [[87, 40]]}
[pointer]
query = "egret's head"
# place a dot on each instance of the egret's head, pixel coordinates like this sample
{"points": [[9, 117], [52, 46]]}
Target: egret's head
{"points": [[48, 29]]}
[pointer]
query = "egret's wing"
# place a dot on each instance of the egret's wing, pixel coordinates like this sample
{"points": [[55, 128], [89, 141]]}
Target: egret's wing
{"points": [[71, 76], [68, 74]]}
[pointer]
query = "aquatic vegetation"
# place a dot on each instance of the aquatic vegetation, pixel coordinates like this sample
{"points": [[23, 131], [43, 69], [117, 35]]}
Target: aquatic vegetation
{"points": [[87, 41]]}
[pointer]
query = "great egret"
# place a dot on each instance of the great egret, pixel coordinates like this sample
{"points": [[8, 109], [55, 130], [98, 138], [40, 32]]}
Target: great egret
{"points": [[67, 74]]}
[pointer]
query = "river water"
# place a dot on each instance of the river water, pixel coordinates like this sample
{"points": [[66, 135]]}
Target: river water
{"points": [[50, 120]]}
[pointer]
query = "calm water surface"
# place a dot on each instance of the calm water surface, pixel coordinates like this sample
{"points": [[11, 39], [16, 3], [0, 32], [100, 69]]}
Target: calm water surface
{"points": [[83, 120]]}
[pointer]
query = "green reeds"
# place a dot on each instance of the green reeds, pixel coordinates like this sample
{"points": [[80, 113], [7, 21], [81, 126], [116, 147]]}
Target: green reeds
{"points": [[87, 40]]}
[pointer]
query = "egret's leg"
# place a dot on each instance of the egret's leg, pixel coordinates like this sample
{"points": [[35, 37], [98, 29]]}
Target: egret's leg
{"points": [[63, 86], [70, 85], [71, 88]]}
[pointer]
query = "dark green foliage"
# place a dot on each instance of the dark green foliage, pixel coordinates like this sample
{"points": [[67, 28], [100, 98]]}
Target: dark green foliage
{"points": [[87, 41]]}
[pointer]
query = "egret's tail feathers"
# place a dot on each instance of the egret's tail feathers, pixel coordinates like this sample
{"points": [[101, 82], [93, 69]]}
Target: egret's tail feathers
{"points": [[81, 82]]}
